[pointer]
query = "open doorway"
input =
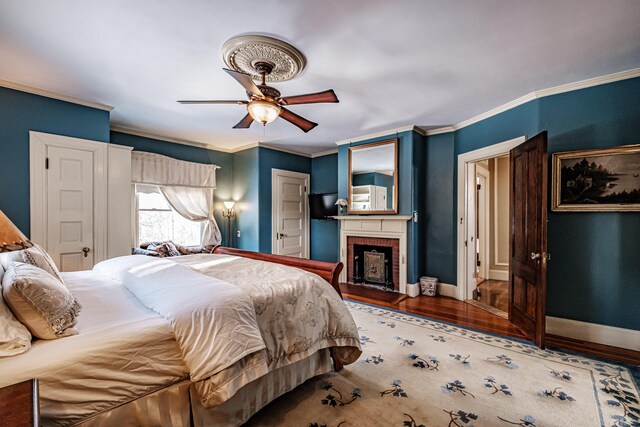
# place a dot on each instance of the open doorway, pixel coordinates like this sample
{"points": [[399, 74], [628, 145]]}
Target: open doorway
{"points": [[527, 261], [483, 233], [490, 235]]}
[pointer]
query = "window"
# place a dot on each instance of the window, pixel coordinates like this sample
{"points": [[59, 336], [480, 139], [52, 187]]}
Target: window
{"points": [[158, 221]]}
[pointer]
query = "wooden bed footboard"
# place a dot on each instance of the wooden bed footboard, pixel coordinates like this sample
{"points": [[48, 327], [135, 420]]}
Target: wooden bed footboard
{"points": [[329, 271]]}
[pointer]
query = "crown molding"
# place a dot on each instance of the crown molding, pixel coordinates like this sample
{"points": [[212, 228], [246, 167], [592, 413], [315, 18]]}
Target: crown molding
{"points": [[569, 87], [382, 133], [583, 84], [324, 153], [282, 149], [53, 95], [243, 147], [130, 131]]}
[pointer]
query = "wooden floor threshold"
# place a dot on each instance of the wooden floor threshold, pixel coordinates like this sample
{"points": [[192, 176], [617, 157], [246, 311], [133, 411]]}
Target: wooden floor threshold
{"points": [[460, 313]]}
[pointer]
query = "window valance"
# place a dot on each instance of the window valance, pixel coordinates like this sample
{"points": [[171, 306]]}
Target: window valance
{"points": [[187, 186], [155, 169]]}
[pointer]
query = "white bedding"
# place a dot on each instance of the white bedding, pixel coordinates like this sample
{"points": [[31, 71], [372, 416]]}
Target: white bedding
{"points": [[123, 351]]}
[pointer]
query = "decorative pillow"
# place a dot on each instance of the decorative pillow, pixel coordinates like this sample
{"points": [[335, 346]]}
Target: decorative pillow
{"points": [[140, 251], [40, 301], [14, 336], [183, 249], [166, 249], [40, 258], [145, 245]]}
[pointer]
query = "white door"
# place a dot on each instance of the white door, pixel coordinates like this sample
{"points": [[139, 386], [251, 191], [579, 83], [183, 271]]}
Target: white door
{"points": [[69, 194], [290, 213]]}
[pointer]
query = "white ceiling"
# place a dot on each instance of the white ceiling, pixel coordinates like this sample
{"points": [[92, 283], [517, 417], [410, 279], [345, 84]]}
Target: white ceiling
{"points": [[392, 63]]}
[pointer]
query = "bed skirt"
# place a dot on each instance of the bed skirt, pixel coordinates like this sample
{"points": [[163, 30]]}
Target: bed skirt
{"points": [[174, 405]]}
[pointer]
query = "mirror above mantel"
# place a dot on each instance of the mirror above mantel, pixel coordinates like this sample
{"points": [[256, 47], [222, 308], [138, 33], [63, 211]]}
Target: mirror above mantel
{"points": [[373, 178]]}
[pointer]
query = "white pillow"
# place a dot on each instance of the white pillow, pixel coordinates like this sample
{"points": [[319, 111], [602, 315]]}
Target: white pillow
{"points": [[7, 257], [14, 336]]}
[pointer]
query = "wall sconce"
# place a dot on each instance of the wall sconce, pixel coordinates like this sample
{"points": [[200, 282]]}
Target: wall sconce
{"points": [[229, 213], [342, 204]]}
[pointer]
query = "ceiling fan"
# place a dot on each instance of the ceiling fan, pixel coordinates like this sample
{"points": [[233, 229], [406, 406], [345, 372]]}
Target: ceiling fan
{"points": [[265, 103]]}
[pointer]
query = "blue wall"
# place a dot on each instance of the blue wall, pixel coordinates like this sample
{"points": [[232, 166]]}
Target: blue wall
{"points": [[224, 175], [594, 273], [246, 194], [252, 190], [440, 258], [411, 159], [22, 112], [325, 237], [268, 160]]}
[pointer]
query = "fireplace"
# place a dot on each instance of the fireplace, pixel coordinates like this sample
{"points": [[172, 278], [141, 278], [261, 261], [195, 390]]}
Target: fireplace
{"points": [[375, 230], [373, 261]]}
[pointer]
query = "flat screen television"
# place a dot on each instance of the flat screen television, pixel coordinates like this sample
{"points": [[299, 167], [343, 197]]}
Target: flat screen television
{"points": [[323, 206]]}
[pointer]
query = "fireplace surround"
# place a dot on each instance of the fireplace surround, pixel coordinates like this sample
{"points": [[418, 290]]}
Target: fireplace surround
{"points": [[386, 234]]}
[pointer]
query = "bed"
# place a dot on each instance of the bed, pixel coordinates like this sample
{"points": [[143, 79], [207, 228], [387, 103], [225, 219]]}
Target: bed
{"points": [[159, 342]]}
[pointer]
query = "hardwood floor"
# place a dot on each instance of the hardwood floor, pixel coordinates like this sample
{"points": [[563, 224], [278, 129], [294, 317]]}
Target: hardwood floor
{"points": [[494, 293], [460, 313], [439, 308]]}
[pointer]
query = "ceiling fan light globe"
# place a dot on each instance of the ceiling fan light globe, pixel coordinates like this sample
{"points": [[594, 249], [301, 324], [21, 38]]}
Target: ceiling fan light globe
{"points": [[263, 111]]}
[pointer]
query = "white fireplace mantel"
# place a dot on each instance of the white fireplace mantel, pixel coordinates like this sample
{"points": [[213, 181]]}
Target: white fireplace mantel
{"points": [[404, 218], [382, 226]]}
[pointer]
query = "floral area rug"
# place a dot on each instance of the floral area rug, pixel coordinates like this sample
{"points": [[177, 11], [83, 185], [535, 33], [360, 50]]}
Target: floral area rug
{"points": [[416, 372]]}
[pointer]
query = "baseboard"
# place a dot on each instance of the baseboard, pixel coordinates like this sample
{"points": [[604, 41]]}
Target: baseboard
{"points": [[499, 275], [593, 332], [447, 290]]}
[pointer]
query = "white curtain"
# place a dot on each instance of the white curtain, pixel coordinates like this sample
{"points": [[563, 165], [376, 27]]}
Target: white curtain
{"points": [[154, 169], [195, 204], [187, 186]]}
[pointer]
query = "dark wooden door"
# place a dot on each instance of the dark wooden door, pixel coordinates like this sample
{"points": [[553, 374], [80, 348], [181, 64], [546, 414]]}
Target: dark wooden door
{"points": [[528, 258]]}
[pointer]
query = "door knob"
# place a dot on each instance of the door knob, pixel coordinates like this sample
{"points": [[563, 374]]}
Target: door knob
{"points": [[281, 235], [535, 255], [86, 251]]}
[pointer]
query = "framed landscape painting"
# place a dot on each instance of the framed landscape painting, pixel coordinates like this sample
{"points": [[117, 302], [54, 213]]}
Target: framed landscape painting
{"points": [[597, 180]]}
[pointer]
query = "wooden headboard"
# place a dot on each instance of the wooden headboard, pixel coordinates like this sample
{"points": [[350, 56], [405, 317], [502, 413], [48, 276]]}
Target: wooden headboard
{"points": [[329, 271]]}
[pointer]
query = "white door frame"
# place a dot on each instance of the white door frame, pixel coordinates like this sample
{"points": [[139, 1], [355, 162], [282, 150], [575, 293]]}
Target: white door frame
{"points": [[496, 150], [38, 143], [274, 206], [484, 225]]}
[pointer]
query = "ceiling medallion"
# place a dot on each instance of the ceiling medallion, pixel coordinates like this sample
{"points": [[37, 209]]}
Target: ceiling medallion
{"points": [[242, 53]]}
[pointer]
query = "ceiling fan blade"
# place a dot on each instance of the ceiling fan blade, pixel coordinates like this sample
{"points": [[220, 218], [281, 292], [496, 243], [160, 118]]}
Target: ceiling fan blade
{"points": [[311, 98], [245, 122], [208, 101], [246, 81], [295, 119]]}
